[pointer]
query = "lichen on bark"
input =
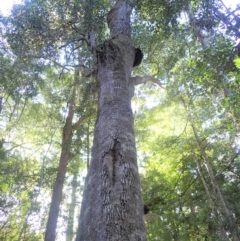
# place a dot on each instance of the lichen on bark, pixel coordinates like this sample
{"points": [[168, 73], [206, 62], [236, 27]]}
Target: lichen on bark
{"points": [[112, 208]]}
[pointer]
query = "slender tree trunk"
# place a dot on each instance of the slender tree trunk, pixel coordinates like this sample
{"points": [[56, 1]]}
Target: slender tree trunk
{"points": [[221, 229], [207, 162], [88, 145], [62, 168], [112, 208], [71, 211], [229, 216]]}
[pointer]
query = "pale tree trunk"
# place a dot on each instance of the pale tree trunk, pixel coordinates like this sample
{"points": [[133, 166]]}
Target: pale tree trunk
{"points": [[62, 168], [227, 212], [71, 210], [203, 39], [221, 229], [233, 229], [112, 208]]}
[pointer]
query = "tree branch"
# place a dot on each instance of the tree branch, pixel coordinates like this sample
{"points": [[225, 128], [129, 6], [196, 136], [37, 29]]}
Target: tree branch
{"points": [[78, 123], [75, 40], [143, 79]]}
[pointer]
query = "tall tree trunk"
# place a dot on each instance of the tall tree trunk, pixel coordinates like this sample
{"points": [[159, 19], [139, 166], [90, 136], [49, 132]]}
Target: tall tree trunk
{"points": [[88, 145], [71, 211], [62, 168], [229, 215], [221, 229], [233, 229], [112, 208]]}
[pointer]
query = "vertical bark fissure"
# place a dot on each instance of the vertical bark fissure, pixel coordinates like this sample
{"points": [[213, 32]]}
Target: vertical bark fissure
{"points": [[62, 168], [112, 208]]}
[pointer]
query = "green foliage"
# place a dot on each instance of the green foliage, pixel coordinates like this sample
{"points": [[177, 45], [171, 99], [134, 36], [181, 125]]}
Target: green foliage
{"points": [[45, 41], [237, 62], [19, 78], [180, 208], [163, 15]]}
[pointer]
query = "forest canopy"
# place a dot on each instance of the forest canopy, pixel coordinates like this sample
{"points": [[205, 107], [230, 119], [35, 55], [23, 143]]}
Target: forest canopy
{"points": [[185, 107]]}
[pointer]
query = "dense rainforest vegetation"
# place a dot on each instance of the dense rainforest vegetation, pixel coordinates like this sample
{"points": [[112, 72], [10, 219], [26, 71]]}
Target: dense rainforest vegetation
{"points": [[186, 115]]}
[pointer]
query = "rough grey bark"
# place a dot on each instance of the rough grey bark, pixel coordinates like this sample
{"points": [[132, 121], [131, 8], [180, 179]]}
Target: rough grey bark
{"points": [[112, 208]]}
